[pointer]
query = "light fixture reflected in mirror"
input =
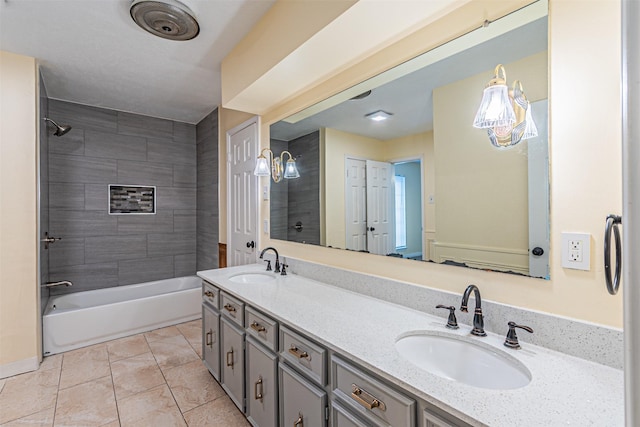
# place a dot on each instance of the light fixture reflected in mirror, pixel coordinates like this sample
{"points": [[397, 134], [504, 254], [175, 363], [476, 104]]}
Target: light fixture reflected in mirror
{"points": [[378, 116], [277, 170], [505, 113]]}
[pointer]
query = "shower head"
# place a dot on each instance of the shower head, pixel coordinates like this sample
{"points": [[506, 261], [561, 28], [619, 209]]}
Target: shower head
{"points": [[168, 19], [60, 130]]}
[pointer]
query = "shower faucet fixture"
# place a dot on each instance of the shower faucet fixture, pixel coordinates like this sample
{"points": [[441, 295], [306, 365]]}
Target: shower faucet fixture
{"points": [[60, 129]]}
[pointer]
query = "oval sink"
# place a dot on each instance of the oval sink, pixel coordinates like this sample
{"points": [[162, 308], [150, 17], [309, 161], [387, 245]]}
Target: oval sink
{"points": [[252, 278], [464, 361]]}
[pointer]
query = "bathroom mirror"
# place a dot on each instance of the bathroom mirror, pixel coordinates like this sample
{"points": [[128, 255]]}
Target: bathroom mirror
{"points": [[424, 184]]}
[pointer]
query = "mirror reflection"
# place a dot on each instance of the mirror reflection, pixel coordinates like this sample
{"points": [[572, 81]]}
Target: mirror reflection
{"points": [[394, 166]]}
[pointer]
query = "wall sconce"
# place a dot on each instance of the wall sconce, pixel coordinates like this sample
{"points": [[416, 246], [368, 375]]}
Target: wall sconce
{"points": [[277, 171], [505, 113]]}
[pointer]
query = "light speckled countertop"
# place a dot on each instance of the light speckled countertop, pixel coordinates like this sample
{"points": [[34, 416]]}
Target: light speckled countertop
{"points": [[564, 390]]}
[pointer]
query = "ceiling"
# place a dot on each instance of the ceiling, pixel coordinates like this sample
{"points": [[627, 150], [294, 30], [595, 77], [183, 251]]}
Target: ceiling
{"points": [[91, 52], [410, 97]]}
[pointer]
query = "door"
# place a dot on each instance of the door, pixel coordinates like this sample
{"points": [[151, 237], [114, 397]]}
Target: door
{"points": [[242, 193], [302, 404], [211, 340], [380, 208], [232, 358], [538, 162], [262, 386], [356, 204]]}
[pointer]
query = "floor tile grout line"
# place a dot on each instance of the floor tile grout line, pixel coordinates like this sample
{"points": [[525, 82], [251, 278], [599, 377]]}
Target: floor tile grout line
{"points": [[113, 386], [55, 404]]}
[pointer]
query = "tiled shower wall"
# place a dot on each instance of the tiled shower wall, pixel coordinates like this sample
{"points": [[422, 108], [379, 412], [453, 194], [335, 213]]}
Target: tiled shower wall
{"points": [[105, 147], [207, 192]]}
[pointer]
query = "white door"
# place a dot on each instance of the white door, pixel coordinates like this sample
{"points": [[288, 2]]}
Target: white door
{"points": [[538, 158], [380, 208], [356, 204], [242, 193]]}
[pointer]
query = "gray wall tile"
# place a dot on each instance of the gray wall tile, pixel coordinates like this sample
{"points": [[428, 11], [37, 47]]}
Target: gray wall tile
{"points": [[145, 126], [171, 244], [66, 196], [169, 151], [184, 221], [145, 270], [144, 224], [72, 143], [68, 224], [184, 175], [65, 252], [185, 265], [144, 173], [96, 197], [207, 193], [184, 133], [176, 198], [64, 168], [83, 116], [207, 154], [84, 277], [114, 146], [114, 248]]}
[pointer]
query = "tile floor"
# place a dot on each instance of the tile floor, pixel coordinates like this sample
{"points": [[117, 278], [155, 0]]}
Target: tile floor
{"points": [[151, 379]]}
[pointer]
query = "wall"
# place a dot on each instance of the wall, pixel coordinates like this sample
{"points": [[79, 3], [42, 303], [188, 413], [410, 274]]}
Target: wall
{"points": [[585, 143], [43, 190], [18, 214], [207, 192], [105, 147], [482, 196]]}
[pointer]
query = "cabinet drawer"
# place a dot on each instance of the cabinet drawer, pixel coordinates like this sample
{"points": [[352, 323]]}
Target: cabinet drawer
{"points": [[342, 417], [211, 295], [232, 308], [303, 354], [370, 397], [302, 404], [262, 327]]}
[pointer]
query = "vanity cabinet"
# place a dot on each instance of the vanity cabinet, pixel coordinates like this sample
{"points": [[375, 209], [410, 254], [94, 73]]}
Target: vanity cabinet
{"points": [[262, 385], [232, 358], [211, 340], [302, 404]]}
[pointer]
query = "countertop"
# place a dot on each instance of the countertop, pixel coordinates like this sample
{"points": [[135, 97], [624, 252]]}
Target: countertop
{"points": [[564, 390]]}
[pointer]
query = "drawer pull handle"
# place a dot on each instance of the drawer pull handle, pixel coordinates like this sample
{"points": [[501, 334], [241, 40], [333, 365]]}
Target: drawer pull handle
{"points": [[209, 338], [230, 308], [258, 395], [299, 421], [366, 399], [208, 294], [230, 358], [299, 353], [258, 327]]}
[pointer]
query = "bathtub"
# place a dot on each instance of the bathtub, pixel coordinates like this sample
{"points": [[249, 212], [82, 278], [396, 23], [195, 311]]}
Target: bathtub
{"points": [[84, 318]]}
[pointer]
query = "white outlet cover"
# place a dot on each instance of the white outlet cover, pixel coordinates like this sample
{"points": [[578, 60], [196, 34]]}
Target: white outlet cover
{"points": [[569, 243]]}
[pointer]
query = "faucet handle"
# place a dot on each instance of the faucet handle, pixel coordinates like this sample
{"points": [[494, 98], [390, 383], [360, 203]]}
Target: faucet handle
{"points": [[511, 340], [268, 261], [452, 322]]}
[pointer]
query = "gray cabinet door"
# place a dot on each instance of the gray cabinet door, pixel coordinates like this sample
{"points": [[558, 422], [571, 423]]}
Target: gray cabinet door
{"points": [[232, 361], [302, 404], [262, 385], [211, 340]]}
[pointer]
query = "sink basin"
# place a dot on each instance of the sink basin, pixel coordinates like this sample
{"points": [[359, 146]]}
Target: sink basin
{"points": [[463, 361], [252, 278]]}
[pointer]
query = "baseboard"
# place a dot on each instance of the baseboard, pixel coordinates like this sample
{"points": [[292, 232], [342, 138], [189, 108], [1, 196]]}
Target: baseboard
{"points": [[19, 367]]}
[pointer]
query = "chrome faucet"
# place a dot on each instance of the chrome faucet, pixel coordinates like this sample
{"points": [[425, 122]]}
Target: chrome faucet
{"points": [[277, 269], [478, 321], [60, 283]]}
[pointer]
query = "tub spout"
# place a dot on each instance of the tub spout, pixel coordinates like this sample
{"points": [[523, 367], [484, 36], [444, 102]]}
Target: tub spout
{"points": [[60, 283]]}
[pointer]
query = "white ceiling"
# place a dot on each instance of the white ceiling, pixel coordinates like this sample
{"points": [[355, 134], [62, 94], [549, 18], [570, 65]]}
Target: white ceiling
{"points": [[91, 52]]}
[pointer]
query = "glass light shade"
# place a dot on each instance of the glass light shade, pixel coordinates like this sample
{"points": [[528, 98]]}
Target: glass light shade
{"points": [[262, 167], [495, 108], [531, 130], [290, 170]]}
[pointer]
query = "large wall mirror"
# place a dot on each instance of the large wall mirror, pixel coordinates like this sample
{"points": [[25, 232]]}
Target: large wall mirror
{"points": [[394, 167]]}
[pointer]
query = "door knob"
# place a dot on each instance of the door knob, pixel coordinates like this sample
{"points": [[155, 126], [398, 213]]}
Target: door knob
{"points": [[251, 244], [537, 251], [372, 229]]}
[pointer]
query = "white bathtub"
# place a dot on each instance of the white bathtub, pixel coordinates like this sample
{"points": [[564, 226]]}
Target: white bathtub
{"points": [[83, 318]]}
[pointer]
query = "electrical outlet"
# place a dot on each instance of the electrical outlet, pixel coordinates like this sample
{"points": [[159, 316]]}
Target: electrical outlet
{"points": [[576, 248]]}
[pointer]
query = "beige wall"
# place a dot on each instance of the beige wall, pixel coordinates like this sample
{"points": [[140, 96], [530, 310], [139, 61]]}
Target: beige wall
{"points": [[482, 192], [18, 216], [585, 161]]}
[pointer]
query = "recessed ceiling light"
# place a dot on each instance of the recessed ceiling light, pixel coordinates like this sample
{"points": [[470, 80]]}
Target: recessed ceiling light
{"points": [[378, 116]]}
